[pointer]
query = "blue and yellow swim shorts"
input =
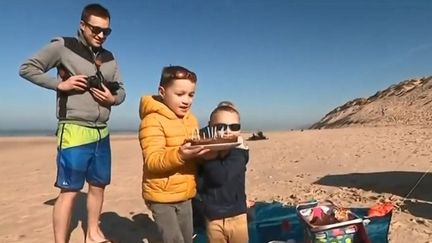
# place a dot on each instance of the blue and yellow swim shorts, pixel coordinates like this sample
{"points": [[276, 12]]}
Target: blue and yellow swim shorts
{"points": [[83, 154]]}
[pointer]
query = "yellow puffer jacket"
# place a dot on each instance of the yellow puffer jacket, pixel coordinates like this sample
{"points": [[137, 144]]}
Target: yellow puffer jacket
{"points": [[166, 177]]}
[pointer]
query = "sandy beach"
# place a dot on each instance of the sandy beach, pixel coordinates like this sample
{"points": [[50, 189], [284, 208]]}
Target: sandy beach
{"points": [[350, 166]]}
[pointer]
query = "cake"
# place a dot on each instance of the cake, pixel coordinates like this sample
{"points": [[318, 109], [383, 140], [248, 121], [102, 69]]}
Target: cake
{"points": [[215, 140], [342, 214]]}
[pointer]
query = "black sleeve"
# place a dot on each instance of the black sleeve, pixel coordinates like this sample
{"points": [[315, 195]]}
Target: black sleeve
{"points": [[216, 172]]}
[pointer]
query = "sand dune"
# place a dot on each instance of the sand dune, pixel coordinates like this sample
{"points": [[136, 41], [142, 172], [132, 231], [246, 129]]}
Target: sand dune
{"points": [[350, 166]]}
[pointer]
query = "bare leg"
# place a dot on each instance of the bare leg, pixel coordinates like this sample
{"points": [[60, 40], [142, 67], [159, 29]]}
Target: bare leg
{"points": [[95, 199], [62, 214]]}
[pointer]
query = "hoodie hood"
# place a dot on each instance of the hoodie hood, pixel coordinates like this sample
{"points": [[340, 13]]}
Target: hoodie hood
{"points": [[82, 39], [154, 104]]}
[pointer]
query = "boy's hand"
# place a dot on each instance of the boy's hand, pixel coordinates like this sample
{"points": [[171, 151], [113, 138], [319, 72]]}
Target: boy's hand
{"points": [[104, 97], [242, 145], [249, 202], [187, 151], [77, 82]]}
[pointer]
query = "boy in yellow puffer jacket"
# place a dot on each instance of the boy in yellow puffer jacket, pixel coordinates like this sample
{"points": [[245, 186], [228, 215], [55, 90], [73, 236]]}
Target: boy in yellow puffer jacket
{"points": [[169, 164]]}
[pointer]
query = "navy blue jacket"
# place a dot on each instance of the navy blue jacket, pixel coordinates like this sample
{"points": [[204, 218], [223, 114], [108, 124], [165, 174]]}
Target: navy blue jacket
{"points": [[222, 185]]}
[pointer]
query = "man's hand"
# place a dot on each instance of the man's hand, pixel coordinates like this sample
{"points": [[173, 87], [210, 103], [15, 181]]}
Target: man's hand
{"points": [[104, 98], [77, 83]]}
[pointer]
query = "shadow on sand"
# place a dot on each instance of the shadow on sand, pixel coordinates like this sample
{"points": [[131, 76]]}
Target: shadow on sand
{"points": [[398, 183], [119, 229]]}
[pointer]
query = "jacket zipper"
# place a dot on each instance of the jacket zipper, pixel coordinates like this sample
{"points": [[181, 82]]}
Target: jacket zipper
{"points": [[94, 55]]}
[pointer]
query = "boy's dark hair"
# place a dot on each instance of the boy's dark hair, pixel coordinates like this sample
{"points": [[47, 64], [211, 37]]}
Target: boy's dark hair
{"points": [[96, 10], [171, 73], [224, 106]]}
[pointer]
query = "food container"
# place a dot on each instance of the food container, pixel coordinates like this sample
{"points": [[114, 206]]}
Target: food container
{"points": [[320, 225]]}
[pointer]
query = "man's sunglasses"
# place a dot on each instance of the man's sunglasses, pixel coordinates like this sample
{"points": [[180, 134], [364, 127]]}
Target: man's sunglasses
{"points": [[234, 127], [169, 74], [97, 30]]}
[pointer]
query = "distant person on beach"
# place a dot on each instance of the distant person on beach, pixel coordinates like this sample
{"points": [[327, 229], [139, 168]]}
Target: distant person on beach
{"points": [[257, 136], [222, 182], [169, 163], [88, 84]]}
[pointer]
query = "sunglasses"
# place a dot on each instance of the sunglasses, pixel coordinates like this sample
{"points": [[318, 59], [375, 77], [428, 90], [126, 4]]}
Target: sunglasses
{"points": [[97, 30], [234, 127], [169, 74]]}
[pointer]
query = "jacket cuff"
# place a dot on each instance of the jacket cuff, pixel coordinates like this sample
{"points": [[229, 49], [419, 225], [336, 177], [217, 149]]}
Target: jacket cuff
{"points": [[178, 157], [52, 83]]}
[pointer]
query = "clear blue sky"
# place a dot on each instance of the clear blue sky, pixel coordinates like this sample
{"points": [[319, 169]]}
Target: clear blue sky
{"points": [[284, 63]]}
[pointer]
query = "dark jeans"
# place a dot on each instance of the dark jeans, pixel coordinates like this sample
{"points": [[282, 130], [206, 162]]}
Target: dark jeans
{"points": [[174, 221]]}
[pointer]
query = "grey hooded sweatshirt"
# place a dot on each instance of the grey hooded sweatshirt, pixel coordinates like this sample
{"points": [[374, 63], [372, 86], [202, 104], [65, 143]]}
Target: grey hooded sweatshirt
{"points": [[74, 55]]}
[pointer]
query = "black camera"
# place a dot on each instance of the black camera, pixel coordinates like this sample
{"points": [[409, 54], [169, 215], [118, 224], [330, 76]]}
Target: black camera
{"points": [[112, 87], [96, 82]]}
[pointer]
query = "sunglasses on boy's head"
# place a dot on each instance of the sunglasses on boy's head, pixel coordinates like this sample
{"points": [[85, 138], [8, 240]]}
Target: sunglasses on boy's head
{"points": [[234, 127], [97, 30], [169, 74]]}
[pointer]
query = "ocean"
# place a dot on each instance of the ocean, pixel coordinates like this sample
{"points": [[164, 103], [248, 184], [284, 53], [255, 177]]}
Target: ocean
{"points": [[49, 132]]}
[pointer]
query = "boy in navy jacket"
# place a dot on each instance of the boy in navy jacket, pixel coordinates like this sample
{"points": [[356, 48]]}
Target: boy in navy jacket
{"points": [[222, 182]]}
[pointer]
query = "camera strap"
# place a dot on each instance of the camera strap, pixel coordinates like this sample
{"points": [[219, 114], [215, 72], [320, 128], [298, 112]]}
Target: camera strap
{"points": [[63, 72], [98, 63]]}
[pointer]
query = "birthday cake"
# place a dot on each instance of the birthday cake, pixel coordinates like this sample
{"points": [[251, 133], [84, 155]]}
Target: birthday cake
{"points": [[214, 140]]}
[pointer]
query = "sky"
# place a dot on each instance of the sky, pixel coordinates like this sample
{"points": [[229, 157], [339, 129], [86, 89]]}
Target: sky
{"points": [[283, 63]]}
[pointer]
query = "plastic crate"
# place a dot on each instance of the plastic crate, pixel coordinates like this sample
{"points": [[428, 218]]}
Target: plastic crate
{"points": [[350, 231]]}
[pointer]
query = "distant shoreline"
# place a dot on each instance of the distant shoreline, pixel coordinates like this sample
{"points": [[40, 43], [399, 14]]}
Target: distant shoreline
{"points": [[48, 133], [51, 133]]}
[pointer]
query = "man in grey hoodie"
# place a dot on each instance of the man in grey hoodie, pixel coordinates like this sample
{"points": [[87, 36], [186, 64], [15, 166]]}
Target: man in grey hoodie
{"points": [[87, 85]]}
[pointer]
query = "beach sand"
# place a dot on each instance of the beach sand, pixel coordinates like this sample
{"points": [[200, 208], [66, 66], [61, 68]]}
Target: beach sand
{"points": [[351, 166]]}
